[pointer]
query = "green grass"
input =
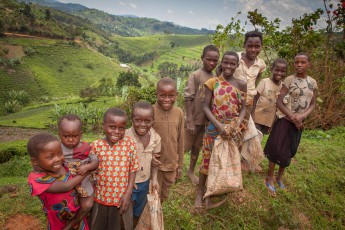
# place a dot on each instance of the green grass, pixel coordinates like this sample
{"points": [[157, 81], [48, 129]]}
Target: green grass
{"points": [[314, 198]]}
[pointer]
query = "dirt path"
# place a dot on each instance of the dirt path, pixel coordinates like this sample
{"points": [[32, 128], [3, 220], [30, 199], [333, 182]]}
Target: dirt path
{"points": [[14, 133]]}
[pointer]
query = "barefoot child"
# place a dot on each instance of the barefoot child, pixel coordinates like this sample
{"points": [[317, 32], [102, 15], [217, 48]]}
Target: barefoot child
{"points": [[224, 101], [78, 160], [53, 183], [148, 142], [169, 124], [194, 96], [118, 164], [300, 91], [264, 105]]}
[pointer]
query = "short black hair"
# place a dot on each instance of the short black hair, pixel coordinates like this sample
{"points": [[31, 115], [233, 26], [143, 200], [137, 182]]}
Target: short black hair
{"points": [[279, 60], [114, 111], [166, 81], [70, 117], [253, 34], [232, 53], [37, 143], [209, 48], [141, 105], [303, 54]]}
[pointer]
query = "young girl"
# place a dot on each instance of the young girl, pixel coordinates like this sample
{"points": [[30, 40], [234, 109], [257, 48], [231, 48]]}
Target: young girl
{"points": [[299, 91], [53, 183], [264, 105], [78, 159], [225, 100]]}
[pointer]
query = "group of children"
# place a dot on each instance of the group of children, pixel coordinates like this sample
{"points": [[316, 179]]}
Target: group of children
{"points": [[127, 161]]}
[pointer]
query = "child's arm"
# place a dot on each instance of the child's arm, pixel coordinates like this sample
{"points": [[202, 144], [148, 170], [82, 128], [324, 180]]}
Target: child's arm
{"points": [[61, 186], [190, 123], [180, 147], [82, 169], [208, 112], [280, 104], [154, 174], [300, 117], [243, 88], [126, 198], [255, 100]]}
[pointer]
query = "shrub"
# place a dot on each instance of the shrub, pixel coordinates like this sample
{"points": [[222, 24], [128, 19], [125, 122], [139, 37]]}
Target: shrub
{"points": [[13, 62], [8, 150], [21, 96], [12, 106], [89, 92], [29, 51]]}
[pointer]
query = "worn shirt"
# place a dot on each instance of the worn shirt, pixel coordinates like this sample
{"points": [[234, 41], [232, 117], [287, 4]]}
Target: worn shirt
{"points": [[115, 164], [226, 99], [195, 92], [170, 126], [145, 154], [266, 106], [250, 74], [301, 91]]}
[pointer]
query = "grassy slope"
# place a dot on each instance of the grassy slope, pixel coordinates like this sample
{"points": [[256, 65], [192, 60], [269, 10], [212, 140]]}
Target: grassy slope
{"points": [[314, 199]]}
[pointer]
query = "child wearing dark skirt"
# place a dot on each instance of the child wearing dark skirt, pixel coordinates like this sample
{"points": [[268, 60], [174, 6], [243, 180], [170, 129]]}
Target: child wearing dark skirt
{"points": [[295, 102]]}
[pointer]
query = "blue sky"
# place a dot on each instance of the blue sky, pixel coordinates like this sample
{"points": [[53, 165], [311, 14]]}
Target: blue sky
{"points": [[205, 13]]}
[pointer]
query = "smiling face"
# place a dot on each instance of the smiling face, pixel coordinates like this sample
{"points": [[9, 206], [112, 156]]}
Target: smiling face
{"points": [[166, 96], [253, 47], [301, 64], [51, 158], [229, 65], [114, 128], [210, 60], [70, 133], [142, 120], [278, 72]]}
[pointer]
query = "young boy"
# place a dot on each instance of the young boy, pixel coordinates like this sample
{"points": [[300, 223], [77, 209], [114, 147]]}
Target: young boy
{"points": [[250, 69], [78, 160], [194, 95], [148, 142], [264, 105], [118, 164], [169, 124]]}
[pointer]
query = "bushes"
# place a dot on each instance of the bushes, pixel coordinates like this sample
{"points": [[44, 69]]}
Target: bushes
{"points": [[15, 100], [10, 149]]}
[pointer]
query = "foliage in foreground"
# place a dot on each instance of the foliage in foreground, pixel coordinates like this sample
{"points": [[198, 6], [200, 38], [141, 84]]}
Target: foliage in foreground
{"points": [[313, 200]]}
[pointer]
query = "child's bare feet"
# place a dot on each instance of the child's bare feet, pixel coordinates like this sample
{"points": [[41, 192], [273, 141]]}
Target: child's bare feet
{"points": [[193, 178], [270, 186], [198, 200]]}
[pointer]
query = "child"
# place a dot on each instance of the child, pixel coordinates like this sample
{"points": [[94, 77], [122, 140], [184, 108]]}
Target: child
{"points": [[169, 124], [118, 164], [194, 96], [53, 183], [300, 91], [78, 159], [264, 105], [148, 142], [224, 101]]}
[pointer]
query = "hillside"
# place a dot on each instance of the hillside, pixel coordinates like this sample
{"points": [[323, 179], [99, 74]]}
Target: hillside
{"points": [[121, 25]]}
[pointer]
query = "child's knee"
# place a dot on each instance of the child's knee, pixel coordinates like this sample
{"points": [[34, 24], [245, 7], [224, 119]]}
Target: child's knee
{"points": [[86, 204]]}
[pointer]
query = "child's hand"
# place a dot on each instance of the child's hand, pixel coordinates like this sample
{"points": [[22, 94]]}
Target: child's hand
{"points": [[221, 129], [124, 202], [299, 118], [178, 173], [190, 128], [155, 162], [83, 169], [155, 185], [299, 125]]}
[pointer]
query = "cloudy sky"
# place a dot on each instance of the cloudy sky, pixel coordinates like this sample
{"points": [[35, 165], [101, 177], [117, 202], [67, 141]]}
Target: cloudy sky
{"points": [[204, 13]]}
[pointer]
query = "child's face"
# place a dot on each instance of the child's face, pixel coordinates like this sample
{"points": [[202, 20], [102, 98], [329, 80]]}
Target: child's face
{"points": [[210, 60], [70, 133], [253, 47], [142, 120], [301, 64], [229, 65], [166, 96], [279, 71], [114, 128], [51, 158]]}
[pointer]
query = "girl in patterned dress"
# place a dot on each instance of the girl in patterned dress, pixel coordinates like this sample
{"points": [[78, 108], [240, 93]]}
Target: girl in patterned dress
{"points": [[52, 182], [225, 101], [299, 91]]}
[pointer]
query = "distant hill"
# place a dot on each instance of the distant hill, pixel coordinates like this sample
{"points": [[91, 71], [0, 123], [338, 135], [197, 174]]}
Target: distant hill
{"points": [[125, 25]]}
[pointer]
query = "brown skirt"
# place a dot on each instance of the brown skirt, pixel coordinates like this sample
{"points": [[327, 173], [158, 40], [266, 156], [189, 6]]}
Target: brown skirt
{"points": [[282, 142]]}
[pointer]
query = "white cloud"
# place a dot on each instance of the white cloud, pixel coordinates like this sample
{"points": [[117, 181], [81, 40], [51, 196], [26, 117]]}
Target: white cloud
{"points": [[190, 12], [122, 3], [133, 5], [170, 11]]}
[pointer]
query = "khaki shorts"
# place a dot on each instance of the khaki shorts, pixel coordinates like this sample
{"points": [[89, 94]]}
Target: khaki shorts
{"points": [[194, 140]]}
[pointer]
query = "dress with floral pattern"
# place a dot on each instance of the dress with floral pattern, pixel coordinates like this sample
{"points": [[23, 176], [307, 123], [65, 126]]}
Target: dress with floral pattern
{"points": [[58, 207]]}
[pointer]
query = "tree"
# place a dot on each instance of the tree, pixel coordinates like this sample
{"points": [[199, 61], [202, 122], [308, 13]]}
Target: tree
{"points": [[89, 92], [106, 86], [128, 78], [168, 69], [48, 14]]}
